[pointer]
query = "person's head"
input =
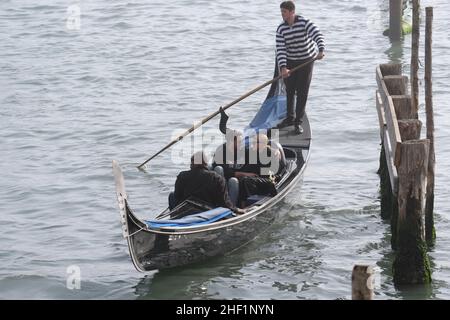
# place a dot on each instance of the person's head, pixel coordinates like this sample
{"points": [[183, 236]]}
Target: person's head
{"points": [[260, 141], [234, 139], [199, 160], [287, 10]]}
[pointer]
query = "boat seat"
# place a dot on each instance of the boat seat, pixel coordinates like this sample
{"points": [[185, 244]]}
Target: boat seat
{"points": [[200, 218]]}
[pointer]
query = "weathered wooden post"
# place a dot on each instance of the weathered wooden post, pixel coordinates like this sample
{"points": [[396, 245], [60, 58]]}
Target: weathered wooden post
{"points": [[415, 57], [403, 110], [411, 264], [395, 19], [362, 282], [410, 129], [430, 233]]}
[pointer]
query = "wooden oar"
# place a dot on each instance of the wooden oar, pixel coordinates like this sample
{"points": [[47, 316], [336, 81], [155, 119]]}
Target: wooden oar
{"points": [[212, 115]]}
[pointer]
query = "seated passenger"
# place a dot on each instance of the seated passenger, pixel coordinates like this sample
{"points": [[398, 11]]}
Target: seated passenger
{"points": [[203, 184], [262, 159], [239, 162], [279, 153], [259, 174], [230, 156]]}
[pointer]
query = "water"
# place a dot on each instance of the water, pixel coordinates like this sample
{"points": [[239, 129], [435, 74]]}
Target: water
{"points": [[135, 72]]}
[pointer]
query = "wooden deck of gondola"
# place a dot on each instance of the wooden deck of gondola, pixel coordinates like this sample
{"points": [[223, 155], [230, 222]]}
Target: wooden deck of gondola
{"points": [[288, 138]]}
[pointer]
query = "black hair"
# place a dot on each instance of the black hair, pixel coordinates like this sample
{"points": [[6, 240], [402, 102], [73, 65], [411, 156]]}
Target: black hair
{"points": [[289, 5]]}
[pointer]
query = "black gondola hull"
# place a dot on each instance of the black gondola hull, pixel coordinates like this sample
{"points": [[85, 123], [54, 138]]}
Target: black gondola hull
{"points": [[152, 250]]}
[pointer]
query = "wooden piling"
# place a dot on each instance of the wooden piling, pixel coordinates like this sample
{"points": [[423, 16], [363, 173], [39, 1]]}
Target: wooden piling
{"points": [[430, 232], [403, 109], [390, 69], [397, 85], [362, 288], [415, 57], [411, 264], [395, 19], [407, 162], [410, 129]]}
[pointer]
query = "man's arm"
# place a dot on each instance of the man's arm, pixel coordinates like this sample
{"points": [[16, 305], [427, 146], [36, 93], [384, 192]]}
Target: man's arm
{"points": [[314, 33], [281, 54]]}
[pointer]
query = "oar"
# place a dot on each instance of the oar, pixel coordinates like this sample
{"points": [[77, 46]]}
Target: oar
{"points": [[212, 115]]}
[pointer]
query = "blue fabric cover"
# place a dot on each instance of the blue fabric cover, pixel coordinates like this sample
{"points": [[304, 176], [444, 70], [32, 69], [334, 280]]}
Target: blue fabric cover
{"points": [[193, 219], [272, 111]]}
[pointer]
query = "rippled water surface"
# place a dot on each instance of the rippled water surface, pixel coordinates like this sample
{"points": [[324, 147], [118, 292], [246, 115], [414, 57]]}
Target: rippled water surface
{"points": [[134, 73]]}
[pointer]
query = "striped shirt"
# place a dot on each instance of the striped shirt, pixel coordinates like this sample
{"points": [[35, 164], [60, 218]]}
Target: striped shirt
{"points": [[299, 41]]}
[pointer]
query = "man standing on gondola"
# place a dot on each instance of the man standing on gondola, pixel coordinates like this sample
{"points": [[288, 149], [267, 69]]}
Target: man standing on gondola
{"points": [[298, 41]]}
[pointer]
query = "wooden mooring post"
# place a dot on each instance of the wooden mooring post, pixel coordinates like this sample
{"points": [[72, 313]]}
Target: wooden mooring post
{"points": [[395, 19], [430, 232], [403, 169], [415, 56], [362, 282], [411, 264]]}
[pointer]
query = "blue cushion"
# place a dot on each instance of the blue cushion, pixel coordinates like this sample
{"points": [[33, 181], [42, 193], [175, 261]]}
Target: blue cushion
{"points": [[193, 219]]}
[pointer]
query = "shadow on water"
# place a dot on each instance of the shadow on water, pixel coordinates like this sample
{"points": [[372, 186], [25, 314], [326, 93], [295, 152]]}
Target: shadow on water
{"points": [[189, 282], [395, 51]]}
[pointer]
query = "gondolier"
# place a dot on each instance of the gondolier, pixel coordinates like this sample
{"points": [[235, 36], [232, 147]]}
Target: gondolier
{"points": [[298, 40]]}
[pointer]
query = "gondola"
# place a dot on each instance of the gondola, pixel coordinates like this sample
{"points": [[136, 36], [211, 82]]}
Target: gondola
{"points": [[203, 232]]}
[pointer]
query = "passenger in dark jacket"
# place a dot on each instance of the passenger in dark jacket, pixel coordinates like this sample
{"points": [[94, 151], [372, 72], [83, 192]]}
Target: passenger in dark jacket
{"points": [[203, 184]]}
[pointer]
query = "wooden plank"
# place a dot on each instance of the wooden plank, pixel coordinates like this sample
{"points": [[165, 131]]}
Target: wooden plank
{"points": [[396, 85], [378, 76], [390, 69], [390, 163], [402, 105], [392, 128], [381, 116], [409, 129], [384, 93]]}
